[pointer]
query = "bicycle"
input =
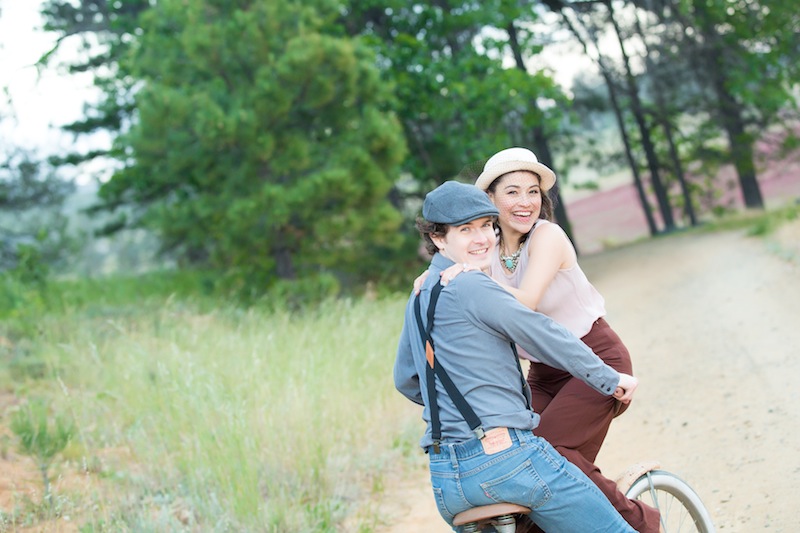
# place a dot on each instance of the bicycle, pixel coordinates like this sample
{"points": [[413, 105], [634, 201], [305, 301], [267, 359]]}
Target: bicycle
{"points": [[682, 510], [680, 507]]}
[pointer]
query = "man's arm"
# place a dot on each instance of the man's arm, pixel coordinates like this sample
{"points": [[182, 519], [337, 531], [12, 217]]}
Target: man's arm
{"points": [[495, 310], [406, 379]]}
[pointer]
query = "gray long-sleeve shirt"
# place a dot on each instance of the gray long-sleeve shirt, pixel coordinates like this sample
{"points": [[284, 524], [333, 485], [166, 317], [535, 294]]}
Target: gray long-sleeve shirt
{"points": [[475, 322]]}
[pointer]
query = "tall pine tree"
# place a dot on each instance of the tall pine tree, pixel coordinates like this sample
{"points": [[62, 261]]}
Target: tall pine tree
{"points": [[261, 145]]}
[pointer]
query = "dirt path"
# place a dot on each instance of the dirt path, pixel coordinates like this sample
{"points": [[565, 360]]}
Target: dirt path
{"points": [[713, 323]]}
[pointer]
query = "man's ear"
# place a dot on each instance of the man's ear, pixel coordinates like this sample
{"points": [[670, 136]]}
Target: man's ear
{"points": [[439, 241]]}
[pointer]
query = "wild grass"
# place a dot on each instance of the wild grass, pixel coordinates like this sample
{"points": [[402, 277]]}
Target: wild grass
{"points": [[220, 418]]}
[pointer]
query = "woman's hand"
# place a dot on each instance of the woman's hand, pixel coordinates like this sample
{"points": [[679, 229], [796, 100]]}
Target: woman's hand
{"points": [[450, 273], [626, 387], [447, 275], [419, 281]]}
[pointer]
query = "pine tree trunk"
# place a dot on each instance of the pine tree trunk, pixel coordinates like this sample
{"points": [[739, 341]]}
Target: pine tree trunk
{"points": [[730, 113], [615, 106], [650, 153]]}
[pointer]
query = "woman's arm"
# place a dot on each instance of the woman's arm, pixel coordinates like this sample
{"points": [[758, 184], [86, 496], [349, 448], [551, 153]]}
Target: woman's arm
{"points": [[548, 252]]}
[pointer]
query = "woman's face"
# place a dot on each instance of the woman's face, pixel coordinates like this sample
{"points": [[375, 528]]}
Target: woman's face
{"points": [[518, 197]]}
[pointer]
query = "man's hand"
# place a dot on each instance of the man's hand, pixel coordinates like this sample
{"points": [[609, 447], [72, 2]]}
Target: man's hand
{"points": [[627, 385]]}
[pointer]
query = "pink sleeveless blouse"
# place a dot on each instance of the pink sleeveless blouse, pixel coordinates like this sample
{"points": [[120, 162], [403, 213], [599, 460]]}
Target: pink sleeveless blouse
{"points": [[570, 299]]}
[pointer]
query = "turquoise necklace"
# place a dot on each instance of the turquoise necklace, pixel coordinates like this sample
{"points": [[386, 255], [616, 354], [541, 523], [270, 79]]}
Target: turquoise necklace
{"points": [[510, 261]]}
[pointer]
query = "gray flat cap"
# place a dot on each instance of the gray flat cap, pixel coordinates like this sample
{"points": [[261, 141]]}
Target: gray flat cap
{"points": [[456, 203]]}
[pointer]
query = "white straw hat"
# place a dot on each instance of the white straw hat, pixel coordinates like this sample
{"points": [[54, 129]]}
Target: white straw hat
{"points": [[512, 159]]}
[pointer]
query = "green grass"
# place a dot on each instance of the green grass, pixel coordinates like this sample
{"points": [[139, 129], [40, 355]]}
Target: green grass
{"points": [[246, 420], [756, 222]]}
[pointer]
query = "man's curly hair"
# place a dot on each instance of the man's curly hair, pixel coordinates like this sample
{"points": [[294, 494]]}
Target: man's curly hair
{"points": [[426, 229]]}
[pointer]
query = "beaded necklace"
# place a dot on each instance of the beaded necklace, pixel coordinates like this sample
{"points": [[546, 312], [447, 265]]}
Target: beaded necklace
{"points": [[510, 261]]}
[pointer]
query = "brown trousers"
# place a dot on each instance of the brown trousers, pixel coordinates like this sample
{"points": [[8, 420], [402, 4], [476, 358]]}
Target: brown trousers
{"points": [[575, 419]]}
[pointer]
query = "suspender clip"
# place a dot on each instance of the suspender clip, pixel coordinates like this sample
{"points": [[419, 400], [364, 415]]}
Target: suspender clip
{"points": [[479, 432], [436, 448]]}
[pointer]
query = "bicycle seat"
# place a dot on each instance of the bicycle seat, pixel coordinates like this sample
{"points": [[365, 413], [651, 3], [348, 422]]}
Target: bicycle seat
{"points": [[485, 513]]}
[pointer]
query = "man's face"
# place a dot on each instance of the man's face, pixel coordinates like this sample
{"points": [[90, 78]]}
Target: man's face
{"points": [[471, 243]]}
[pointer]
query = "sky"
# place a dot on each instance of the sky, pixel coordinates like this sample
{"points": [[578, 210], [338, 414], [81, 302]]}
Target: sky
{"points": [[40, 102]]}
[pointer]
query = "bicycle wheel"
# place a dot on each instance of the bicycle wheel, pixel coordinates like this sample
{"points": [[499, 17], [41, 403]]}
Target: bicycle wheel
{"points": [[680, 507]]}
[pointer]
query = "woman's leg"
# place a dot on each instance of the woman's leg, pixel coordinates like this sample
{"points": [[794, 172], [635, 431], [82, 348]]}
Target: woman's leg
{"points": [[545, 382], [576, 416], [576, 421]]}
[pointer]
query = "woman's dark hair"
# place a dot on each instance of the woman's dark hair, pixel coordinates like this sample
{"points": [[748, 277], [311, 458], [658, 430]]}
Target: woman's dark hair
{"points": [[426, 229]]}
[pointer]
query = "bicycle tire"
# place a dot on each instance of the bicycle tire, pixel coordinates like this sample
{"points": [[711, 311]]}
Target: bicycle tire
{"points": [[681, 508]]}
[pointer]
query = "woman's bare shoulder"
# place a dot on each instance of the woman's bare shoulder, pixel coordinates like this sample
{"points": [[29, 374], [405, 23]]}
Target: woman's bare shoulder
{"points": [[550, 237], [546, 230]]}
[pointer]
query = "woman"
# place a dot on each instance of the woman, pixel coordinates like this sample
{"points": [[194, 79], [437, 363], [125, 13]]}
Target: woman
{"points": [[537, 263]]}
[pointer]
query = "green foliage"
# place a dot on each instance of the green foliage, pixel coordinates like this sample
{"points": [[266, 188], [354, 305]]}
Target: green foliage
{"points": [[31, 268], [298, 294], [26, 182], [756, 224], [19, 300], [32, 227], [23, 293], [22, 304], [745, 75], [23, 362], [40, 438], [105, 31], [772, 220], [457, 100], [262, 147], [120, 291], [266, 139]]}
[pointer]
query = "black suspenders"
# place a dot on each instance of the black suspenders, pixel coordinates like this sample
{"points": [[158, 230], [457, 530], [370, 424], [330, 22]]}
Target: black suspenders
{"points": [[434, 368]]}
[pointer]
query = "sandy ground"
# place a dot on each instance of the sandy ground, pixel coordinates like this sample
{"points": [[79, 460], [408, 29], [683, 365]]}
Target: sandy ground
{"points": [[713, 324]]}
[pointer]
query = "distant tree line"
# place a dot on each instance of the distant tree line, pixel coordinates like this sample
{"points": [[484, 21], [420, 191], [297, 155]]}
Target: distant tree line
{"points": [[283, 143], [32, 230]]}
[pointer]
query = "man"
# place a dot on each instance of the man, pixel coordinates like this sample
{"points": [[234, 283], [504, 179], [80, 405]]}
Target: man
{"points": [[480, 433]]}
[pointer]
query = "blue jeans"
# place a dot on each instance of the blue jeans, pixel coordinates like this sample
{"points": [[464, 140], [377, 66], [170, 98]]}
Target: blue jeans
{"points": [[529, 473]]}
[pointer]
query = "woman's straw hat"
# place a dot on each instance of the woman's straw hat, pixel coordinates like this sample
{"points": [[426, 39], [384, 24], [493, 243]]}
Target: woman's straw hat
{"points": [[512, 159]]}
